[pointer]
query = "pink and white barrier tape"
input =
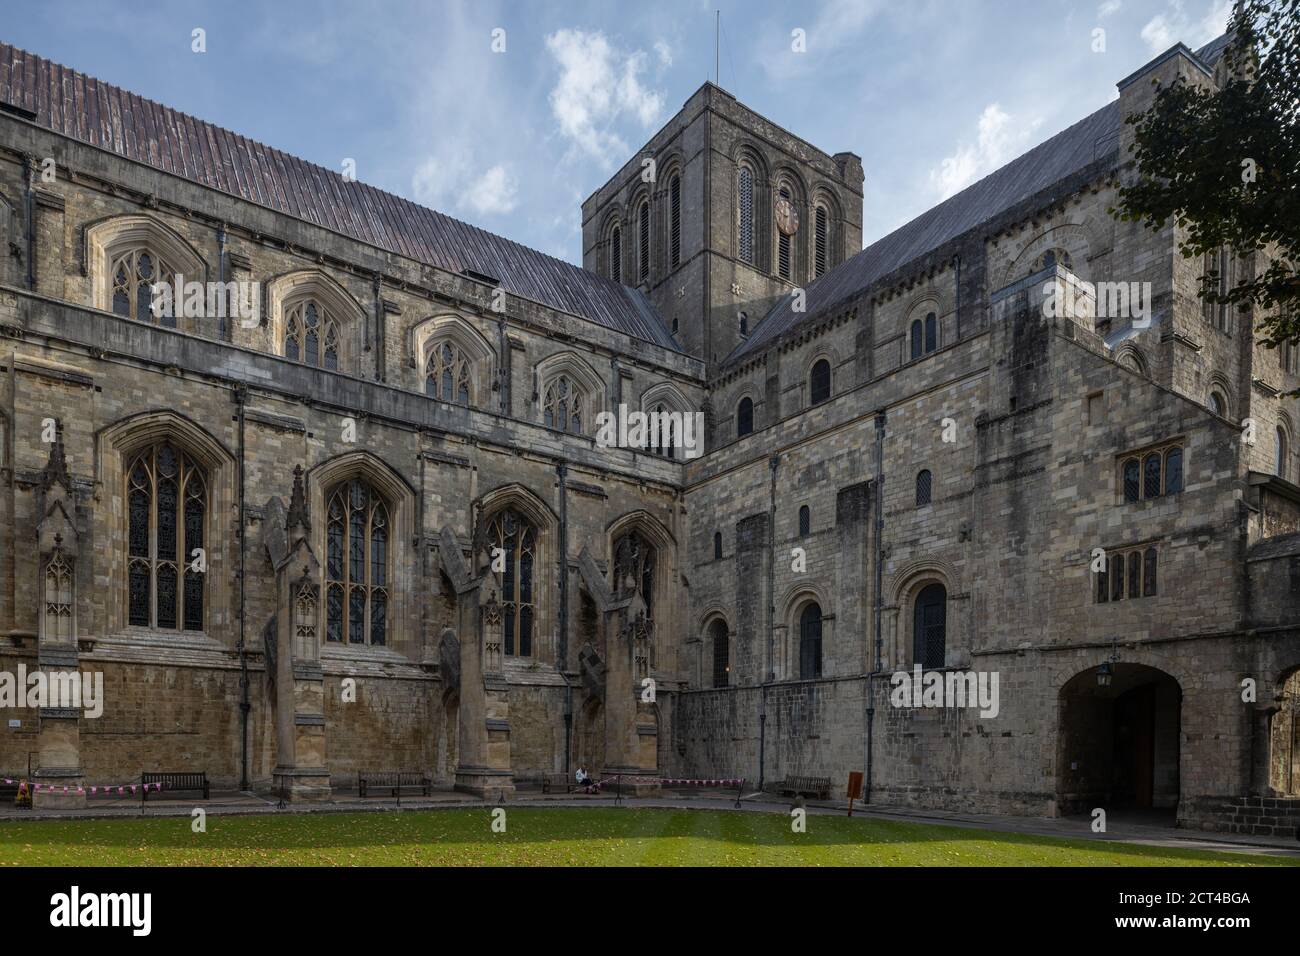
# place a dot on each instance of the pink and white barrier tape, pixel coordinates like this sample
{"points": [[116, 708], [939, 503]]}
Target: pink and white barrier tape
{"points": [[96, 790]]}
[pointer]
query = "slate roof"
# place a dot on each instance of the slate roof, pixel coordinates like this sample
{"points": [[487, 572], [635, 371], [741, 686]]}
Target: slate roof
{"points": [[86, 109], [1086, 141]]}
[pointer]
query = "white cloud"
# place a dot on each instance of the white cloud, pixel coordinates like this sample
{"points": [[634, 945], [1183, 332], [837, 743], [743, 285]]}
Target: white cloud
{"points": [[598, 86], [1109, 8], [1165, 29], [665, 54], [1001, 139], [496, 191]]}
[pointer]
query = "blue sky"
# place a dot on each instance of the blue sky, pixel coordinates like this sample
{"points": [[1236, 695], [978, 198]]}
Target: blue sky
{"points": [[932, 94]]}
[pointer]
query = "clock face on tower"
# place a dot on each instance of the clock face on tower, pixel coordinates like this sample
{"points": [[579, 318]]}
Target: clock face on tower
{"points": [[787, 217]]}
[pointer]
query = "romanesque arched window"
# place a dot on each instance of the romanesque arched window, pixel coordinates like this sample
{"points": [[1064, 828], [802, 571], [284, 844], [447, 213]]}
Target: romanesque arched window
{"points": [[821, 237], [931, 332], [918, 340], [643, 241], [924, 487], [447, 373], [356, 567], [805, 521], [783, 242], [134, 271], [819, 382], [1218, 404], [167, 506], [744, 417], [745, 212], [514, 574], [563, 404], [929, 626], [1283, 446], [675, 221], [616, 254], [311, 334], [717, 545], [810, 642], [721, 653]]}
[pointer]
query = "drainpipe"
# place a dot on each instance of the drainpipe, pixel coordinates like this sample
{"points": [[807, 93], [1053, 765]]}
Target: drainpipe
{"points": [[223, 330], [379, 330], [241, 399], [880, 598], [29, 198], [773, 464], [562, 649]]}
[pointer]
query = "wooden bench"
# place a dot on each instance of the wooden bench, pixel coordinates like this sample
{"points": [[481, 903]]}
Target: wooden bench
{"points": [[564, 783], [819, 787], [394, 781], [173, 783]]}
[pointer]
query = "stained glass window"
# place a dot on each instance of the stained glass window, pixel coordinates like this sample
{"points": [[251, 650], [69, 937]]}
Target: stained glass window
{"points": [[356, 565], [167, 502], [513, 571]]}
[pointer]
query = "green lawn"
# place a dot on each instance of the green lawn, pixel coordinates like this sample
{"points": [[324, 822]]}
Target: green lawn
{"points": [[557, 836]]}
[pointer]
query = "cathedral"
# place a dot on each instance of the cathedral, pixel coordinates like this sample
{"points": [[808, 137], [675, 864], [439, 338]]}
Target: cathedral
{"points": [[338, 505]]}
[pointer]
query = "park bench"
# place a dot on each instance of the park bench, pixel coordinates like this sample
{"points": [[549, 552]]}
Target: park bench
{"points": [[173, 783], [819, 787], [394, 781]]}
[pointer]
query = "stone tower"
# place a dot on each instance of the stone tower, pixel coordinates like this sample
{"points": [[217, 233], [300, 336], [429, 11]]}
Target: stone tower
{"points": [[718, 215]]}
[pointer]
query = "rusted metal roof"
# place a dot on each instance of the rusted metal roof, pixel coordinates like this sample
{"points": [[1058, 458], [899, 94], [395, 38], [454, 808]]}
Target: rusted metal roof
{"points": [[86, 109]]}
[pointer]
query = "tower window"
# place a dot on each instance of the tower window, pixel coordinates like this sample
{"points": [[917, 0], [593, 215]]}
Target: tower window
{"points": [[717, 545], [643, 241], [745, 209], [805, 522], [616, 255], [810, 642], [721, 654], [820, 235], [783, 245], [744, 417], [930, 626], [819, 386], [924, 482], [675, 221]]}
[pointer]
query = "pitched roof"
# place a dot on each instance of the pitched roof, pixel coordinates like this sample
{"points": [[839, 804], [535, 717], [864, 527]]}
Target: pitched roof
{"points": [[1086, 141], [83, 108]]}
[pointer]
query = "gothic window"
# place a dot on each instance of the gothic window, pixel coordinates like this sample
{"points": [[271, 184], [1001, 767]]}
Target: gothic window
{"points": [[810, 642], [1153, 474], [304, 618], [167, 503], [929, 626], [517, 539], [783, 244], [643, 241], [58, 598], [717, 545], [819, 382], [311, 335], [662, 433], [134, 273], [562, 406], [721, 654], [805, 521], [675, 221], [821, 254], [924, 482], [744, 417], [745, 209], [356, 566], [1218, 405], [634, 561], [447, 374], [616, 254]]}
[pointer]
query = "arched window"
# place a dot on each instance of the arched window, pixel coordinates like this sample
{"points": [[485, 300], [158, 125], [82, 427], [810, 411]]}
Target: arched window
{"points": [[1051, 258], [134, 273], [311, 335], [675, 221], [929, 626], [1149, 572], [744, 417], [356, 566], [1151, 476], [810, 642], [447, 374], [643, 241], [517, 539], [745, 210], [1132, 480], [931, 332], [663, 437], [563, 404], [717, 545], [924, 490], [1218, 405], [918, 341], [616, 254], [167, 506], [821, 236], [783, 243], [744, 325], [721, 654], [634, 562], [58, 597], [1283, 447], [805, 521], [1173, 471], [819, 382]]}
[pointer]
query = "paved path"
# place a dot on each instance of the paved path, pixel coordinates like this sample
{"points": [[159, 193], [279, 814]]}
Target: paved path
{"points": [[1119, 829]]}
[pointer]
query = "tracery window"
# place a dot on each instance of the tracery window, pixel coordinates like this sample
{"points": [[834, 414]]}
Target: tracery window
{"points": [[447, 374], [663, 434], [563, 404], [311, 335], [635, 561], [167, 504], [134, 272], [513, 572], [58, 597], [356, 565]]}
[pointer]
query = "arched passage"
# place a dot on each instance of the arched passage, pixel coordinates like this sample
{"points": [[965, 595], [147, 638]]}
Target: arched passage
{"points": [[1284, 739], [1119, 740]]}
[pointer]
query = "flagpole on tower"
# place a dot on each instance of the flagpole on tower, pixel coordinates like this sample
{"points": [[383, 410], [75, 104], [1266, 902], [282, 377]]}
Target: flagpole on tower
{"points": [[717, 62]]}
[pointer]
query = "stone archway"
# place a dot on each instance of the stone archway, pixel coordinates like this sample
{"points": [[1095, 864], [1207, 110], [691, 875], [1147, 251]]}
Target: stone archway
{"points": [[1119, 740], [1284, 738]]}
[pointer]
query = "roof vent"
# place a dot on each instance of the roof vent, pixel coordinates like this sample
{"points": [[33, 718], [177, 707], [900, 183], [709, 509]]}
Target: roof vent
{"points": [[480, 277], [16, 110]]}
